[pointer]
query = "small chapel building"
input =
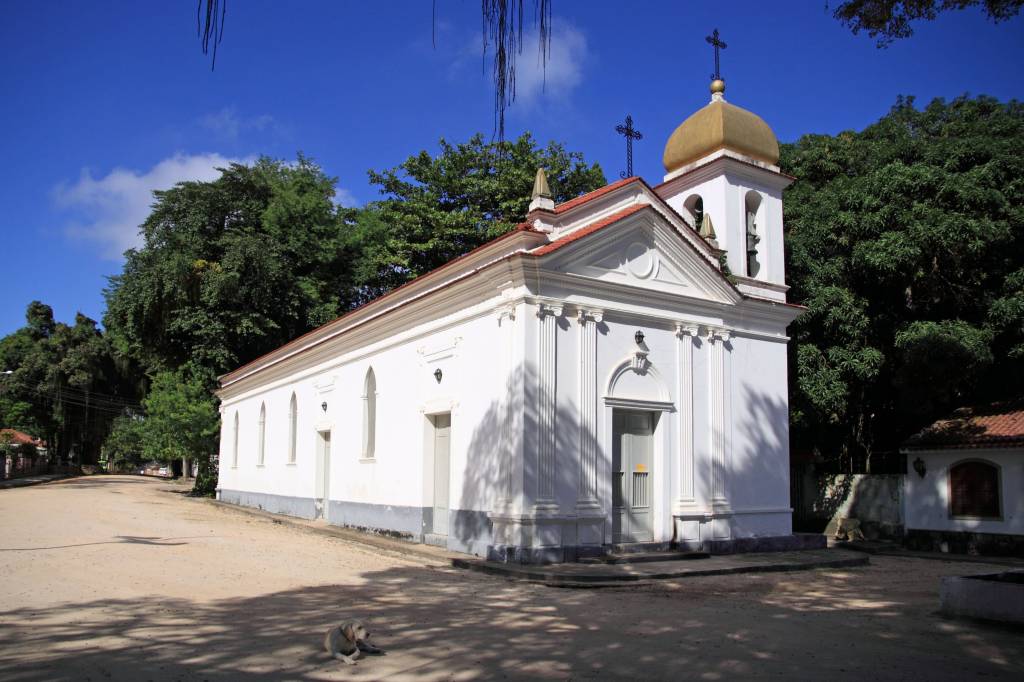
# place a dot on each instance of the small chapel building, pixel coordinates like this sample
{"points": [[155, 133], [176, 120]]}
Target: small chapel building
{"points": [[612, 371]]}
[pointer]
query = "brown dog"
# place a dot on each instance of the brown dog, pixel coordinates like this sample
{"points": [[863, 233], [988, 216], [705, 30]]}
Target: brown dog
{"points": [[347, 642]]}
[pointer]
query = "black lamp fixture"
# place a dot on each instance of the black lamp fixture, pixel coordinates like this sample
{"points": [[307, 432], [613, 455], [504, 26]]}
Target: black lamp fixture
{"points": [[323, 406], [919, 467], [438, 374], [638, 337]]}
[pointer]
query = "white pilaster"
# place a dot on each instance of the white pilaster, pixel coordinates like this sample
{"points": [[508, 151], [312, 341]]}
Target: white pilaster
{"points": [[717, 338], [506, 320], [587, 321], [685, 333], [546, 405]]}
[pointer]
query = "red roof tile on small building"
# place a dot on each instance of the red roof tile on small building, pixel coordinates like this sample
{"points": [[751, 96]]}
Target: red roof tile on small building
{"points": [[15, 437], [997, 425]]}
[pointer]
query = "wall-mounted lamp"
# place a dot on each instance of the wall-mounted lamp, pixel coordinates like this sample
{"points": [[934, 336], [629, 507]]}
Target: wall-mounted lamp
{"points": [[919, 467], [638, 337], [438, 374], [323, 406]]}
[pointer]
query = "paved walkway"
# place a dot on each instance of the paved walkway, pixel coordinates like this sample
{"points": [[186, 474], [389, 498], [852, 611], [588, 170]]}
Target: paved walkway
{"points": [[32, 480]]}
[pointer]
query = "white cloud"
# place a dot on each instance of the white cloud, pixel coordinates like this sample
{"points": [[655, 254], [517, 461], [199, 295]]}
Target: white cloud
{"points": [[343, 197], [564, 70], [109, 210], [228, 124]]}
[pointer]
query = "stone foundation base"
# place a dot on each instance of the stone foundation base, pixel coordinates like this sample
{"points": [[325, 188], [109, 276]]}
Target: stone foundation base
{"points": [[958, 542]]}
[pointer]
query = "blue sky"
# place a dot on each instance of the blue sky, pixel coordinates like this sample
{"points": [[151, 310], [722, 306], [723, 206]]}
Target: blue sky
{"points": [[102, 105]]}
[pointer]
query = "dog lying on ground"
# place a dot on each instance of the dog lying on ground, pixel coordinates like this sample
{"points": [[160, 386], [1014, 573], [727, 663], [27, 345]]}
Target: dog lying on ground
{"points": [[348, 641]]}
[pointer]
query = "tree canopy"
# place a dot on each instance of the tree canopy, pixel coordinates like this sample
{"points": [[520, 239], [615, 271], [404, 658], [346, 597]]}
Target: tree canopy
{"points": [[436, 208], [905, 242], [890, 20], [232, 268]]}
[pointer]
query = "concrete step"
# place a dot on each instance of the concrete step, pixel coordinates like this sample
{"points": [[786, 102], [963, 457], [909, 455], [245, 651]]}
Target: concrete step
{"points": [[644, 557]]}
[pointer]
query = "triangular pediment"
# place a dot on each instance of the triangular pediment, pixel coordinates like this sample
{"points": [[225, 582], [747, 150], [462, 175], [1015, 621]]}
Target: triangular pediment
{"points": [[644, 251]]}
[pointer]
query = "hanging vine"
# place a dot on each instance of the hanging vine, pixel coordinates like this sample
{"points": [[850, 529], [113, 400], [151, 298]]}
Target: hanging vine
{"points": [[502, 30]]}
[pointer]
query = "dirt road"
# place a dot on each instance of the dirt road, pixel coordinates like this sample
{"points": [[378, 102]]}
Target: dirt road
{"points": [[123, 578]]}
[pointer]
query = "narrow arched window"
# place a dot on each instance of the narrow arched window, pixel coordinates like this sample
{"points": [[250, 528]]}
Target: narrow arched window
{"points": [[263, 435], [234, 444], [753, 203], [293, 428], [369, 414], [974, 489], [693, 208]]}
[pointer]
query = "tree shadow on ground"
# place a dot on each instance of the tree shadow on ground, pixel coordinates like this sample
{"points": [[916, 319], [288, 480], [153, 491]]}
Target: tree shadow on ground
{"points": [[444, 624]]}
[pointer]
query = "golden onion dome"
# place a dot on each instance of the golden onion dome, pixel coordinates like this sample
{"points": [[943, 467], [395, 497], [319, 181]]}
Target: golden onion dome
{"points": [[720, 125]]}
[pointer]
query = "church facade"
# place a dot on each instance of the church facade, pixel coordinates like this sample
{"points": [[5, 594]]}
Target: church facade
{"points": [[611, 372]]}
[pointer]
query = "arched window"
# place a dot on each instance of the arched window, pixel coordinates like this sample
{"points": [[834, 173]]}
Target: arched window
{"points": [[974, 489], [293, 428], [693, 208], [369, 414], [234, 444], [263, 435], [753, 203]]}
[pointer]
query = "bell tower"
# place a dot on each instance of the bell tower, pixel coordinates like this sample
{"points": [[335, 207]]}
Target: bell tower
{"points": [[722, 175]]}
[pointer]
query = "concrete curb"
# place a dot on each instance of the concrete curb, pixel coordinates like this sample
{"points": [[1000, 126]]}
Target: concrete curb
{"points": [[547, 575], [35, 480], [933, 556]]}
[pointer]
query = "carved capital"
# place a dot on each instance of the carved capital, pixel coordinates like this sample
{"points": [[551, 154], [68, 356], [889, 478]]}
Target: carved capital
{"points": [[584, 315], [684, 329], [505, 311], [716, 334], [554, 309]]}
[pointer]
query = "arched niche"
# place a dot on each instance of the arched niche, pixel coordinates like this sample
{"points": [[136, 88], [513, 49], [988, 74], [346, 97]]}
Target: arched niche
{"points": [[753, 222], [637, 380], [693, 210]]}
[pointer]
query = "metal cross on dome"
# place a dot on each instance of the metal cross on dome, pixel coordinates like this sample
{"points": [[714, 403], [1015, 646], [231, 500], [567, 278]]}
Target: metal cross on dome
{"points": [[631, 134], [714, 40]]}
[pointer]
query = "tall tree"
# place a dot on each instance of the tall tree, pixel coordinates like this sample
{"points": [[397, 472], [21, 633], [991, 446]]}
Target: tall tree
{"points": [[890, 20], [906, 242], [232, 268], [66, 383], [436, 208]]}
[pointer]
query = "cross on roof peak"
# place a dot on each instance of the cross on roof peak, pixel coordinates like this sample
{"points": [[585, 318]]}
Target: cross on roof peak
{"points": [[718, 44]]}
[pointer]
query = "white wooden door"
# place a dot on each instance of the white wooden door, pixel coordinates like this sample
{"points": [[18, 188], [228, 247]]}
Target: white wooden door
{"points": [[321, 487], [632, 456], [442, 472]]}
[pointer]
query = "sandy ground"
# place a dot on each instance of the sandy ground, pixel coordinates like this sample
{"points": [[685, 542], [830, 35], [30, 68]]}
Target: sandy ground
{"points": [[124, 578]]}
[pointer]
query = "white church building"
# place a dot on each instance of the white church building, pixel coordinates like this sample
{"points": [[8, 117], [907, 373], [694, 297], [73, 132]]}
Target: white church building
{"points": [[611, 372]]}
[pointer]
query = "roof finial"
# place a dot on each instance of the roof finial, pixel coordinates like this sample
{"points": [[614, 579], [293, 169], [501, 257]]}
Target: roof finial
{"points": [[541, 197], [717, 84]]}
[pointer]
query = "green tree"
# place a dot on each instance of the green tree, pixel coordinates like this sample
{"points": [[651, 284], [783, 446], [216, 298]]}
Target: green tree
{"points": [[436, 208], [66, 384], [123, 447], [905, 241], [889, 20], [232, 268], [182, 423]]}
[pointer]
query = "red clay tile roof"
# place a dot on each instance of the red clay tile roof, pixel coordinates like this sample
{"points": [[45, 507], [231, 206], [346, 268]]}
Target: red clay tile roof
{"points": [[998, 425], [589, 229], [590, 196], [18, 438]]}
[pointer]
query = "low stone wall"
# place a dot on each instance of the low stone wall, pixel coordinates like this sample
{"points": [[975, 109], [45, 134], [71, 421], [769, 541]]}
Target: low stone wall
{"points": [[996, 596], [876, 500], [958, 542]]}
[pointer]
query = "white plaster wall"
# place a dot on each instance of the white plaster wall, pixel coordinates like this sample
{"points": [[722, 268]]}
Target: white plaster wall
{"points": [[724, 198], [472, 389], [927, 499]]}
